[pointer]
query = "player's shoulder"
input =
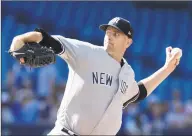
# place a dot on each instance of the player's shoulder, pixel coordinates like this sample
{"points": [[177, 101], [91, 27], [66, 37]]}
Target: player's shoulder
{"points": [[128, 67], [75, 41]]}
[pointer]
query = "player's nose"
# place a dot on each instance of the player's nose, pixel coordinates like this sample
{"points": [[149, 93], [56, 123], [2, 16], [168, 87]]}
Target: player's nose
{"points": [[109, 37]]}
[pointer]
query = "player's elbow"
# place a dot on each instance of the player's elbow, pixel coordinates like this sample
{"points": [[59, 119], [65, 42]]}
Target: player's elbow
{"points": [[142, 92], [38, 36]]}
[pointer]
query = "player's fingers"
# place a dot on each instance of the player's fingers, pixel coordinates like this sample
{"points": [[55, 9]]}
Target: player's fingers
{"points": [[177, 62], [169, 48], [168, 51], [174, 57], [22, 61]]}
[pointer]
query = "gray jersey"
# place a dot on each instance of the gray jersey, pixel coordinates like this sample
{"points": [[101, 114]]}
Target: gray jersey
{"points": [[96, 89]]}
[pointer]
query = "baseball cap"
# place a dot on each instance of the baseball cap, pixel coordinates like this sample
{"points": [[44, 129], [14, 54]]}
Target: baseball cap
{"points": [[121, 24]]}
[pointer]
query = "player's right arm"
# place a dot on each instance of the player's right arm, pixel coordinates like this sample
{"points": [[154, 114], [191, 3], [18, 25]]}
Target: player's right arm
{"points": [[71, 50], [20, 40]]}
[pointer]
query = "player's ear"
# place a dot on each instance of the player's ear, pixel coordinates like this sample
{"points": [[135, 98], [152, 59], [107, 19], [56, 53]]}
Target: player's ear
{"points": [[129, 41]]}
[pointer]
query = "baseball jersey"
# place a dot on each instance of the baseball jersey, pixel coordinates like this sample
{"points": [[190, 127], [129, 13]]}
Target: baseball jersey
{"points": [[96, 89]]}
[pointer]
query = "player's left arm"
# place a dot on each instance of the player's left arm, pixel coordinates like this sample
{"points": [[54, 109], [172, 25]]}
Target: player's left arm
{"points": [[149, 84]]}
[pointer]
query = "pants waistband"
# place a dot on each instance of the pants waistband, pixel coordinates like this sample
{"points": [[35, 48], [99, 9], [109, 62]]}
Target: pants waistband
{"points": [[68, 132]]}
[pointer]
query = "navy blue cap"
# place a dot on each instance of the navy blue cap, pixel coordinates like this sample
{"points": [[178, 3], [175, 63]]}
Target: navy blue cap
{"points": [[121, 24]]}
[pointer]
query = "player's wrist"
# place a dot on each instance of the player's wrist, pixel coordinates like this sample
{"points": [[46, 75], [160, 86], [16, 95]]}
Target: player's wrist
{"points": [[168, 68]]}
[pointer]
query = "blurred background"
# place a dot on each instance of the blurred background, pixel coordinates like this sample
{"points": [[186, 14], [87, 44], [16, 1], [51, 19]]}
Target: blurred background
{"points": [[30, 97]]}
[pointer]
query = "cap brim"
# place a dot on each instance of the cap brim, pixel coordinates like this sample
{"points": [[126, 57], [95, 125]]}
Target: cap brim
{"points": [[104, 27]]}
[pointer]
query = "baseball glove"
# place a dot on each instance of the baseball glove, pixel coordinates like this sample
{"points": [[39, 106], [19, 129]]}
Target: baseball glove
{"points": [[34, 55]]}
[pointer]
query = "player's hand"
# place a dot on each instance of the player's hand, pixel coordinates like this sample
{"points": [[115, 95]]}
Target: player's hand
{"points": [[15, 45], [173, 56]]}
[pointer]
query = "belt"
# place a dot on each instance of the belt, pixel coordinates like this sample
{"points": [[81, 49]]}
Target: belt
{"points": [[69, 132]]}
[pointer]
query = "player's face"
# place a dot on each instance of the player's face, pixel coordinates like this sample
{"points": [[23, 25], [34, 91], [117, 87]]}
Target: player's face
{"points": [[115, 39]]}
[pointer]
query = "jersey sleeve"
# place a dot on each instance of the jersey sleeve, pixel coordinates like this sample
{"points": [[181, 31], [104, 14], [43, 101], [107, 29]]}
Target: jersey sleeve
{"points": [[135, 90], [140, 95], [72, 49]]}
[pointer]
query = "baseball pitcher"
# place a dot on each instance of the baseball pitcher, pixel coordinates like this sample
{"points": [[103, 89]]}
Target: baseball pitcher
{"points": [[100, 83]]}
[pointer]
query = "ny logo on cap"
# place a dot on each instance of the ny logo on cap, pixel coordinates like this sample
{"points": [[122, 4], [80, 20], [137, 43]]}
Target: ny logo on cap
{"points": [[115, 20]]}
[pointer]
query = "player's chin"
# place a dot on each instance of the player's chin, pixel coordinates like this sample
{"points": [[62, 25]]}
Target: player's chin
{"points": [[108, 45]]}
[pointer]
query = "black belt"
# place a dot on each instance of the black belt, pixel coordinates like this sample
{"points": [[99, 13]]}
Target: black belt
{"points": [[69, 132]]}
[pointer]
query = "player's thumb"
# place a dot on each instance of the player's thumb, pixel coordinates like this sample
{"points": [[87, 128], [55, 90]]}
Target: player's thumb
{"points": [[168, 51]]}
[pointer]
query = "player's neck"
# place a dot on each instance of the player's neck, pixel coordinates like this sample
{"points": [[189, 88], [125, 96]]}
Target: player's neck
{"points": [[115, 55]]}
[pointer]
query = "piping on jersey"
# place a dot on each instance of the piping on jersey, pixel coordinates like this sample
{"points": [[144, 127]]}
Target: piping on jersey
{"points": [[71, 126], [131, 100], [62, 46], [103, 114]]}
